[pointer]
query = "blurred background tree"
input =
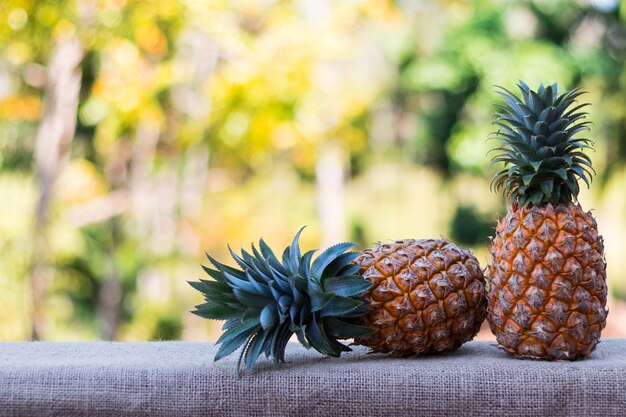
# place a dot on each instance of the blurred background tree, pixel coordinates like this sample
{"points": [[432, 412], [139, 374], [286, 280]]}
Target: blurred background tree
{"points": [[136, 134]]}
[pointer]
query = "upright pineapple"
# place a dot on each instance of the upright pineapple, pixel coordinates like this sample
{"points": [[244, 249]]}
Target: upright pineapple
{"points": [[547, 280]]}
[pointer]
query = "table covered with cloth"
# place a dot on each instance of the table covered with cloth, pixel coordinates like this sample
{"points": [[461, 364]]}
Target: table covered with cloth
{"points": [[181, 379]]}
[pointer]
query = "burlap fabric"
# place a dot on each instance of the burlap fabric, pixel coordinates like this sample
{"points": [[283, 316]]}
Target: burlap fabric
{"points": [[181, 379]]}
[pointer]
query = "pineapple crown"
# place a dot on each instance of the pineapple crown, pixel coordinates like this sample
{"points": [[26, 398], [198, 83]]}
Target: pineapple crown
{"points": [[543, 159], [265, 301]]}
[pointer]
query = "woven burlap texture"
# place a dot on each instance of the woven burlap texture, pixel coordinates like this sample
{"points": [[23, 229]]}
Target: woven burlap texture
{"points": [[181, 379]]}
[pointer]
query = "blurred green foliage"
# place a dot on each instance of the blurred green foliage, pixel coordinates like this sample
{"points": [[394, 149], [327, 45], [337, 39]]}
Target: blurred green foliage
{"points": [[201, 123], [471, 228]]}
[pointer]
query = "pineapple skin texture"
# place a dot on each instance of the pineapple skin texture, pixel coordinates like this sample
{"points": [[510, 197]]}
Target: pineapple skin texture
{"points": [[547, 282], [427, 296]]}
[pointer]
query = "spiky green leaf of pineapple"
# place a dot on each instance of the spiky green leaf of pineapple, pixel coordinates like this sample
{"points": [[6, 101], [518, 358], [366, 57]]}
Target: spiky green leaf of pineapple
{"points": [[542, 154], [266, 300]]}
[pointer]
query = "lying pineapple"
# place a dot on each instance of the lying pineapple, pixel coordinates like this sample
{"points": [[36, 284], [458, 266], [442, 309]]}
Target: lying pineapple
{"points": [[547, 279], [408, 297]]}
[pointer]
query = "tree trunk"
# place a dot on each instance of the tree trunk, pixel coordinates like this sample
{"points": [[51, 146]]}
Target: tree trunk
{"points": [[54, 137], [330, 176], [109, 297]]}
